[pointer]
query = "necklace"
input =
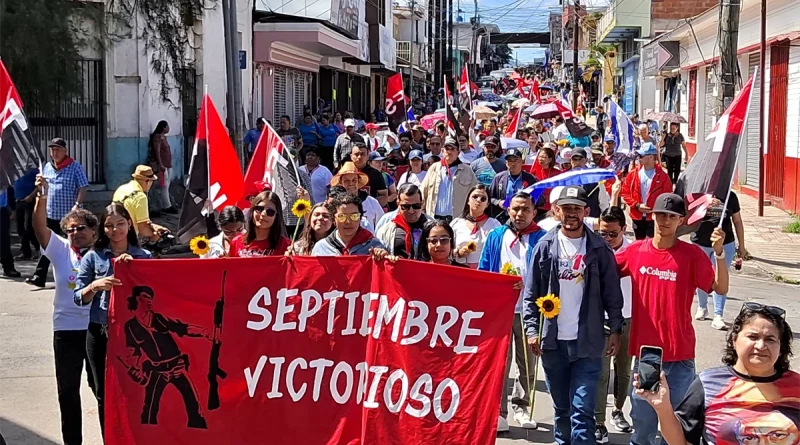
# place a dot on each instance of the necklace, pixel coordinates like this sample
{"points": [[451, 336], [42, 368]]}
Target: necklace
{"points": [[571, 258]]}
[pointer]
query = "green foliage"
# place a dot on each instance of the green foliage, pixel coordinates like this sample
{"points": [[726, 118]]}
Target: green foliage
{"points": [[504, 53], [793, 227]]}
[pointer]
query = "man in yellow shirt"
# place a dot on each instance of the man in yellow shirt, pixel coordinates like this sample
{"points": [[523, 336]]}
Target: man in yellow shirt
{"points": [[133, 196]]}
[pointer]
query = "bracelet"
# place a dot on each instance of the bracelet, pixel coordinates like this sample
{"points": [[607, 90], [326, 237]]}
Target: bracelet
{"points": [[720, 256]]}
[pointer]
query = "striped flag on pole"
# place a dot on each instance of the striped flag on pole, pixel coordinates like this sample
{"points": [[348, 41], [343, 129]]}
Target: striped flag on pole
{"points": [[621, 128], [571, 177]]}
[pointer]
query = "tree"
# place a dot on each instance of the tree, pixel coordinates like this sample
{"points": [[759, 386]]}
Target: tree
{"points": [[504, 53], [41, 41]]}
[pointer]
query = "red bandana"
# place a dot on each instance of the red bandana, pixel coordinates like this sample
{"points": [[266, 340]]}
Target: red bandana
{"points": [[403, 224], [533, 227], [64, 164], [476, 222], [362, 236]]}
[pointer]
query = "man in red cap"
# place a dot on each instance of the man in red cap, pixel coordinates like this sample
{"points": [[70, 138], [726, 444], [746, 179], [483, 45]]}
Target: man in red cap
{"points": [[372, 139]]}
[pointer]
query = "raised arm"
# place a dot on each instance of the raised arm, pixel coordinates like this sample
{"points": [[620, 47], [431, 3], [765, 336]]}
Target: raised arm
{"points": [[40, 228]]}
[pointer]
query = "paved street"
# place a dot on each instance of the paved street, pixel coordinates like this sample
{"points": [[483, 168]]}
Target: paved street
{"points": [[29, 410]]}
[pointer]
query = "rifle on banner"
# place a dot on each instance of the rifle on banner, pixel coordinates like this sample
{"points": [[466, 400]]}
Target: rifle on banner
{"points": [[214, 370]]}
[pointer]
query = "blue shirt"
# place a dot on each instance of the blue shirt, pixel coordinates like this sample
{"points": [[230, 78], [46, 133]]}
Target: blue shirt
{"points": [[251, 138], [64, 185], [95, 265], [25, 185], [309, 133], [3, 199], [328, 134]]}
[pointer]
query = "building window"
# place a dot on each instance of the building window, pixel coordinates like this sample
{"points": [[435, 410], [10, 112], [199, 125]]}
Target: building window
{"points": [[692, 103]]}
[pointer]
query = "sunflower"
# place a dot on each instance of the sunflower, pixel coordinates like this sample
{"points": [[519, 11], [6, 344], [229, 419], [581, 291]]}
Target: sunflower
{"points": [[301, 208], [549, 305], [509, 269], [199, 245], [472, 246]]}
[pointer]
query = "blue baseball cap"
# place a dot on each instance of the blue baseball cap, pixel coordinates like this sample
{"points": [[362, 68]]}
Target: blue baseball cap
{"points": [[647, 149], [375, 156], [415, 154], [610, 138]]}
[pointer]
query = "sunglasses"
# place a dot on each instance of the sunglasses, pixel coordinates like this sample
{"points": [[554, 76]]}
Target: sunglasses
{"points": [[439, 241], [578, 158], [76, 229], [608, 234], [774, 310], [479, 198], [411, 206], [270, 212], [343, 217], [490, 145]]}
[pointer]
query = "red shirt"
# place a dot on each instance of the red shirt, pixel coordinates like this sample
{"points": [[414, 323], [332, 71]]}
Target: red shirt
{"points": [[257, 248], [663, 287]]}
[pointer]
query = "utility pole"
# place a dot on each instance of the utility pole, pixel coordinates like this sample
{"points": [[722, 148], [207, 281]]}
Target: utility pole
{"points": [[411, 51], [728, 40], [761, 100], [238, 110], [472, 57], [575, 37], [230, 67]]}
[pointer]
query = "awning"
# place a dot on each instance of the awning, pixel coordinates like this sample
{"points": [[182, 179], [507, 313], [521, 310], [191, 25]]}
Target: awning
{"points": [[794, 35]]}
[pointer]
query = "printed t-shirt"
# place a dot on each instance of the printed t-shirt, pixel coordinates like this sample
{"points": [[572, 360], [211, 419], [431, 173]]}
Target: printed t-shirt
{"points": [[571, 265], [257, 248]]}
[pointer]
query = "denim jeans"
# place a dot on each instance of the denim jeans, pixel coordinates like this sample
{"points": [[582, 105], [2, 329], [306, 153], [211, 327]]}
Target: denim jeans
{"points": [[572, 383], [645, 422], [719, 300]]}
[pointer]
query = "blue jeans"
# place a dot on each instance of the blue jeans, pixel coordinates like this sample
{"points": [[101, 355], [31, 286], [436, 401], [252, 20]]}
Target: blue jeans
{"points": [[719, 300], [645, 422], [572, 383]]}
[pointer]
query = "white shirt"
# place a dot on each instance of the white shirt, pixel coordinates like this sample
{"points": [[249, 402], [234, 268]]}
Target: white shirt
{"points": [[468, 157], [320, 179], [463, 232], [516, 255], [427, 156], [216, 247], [560, 132], [546, 137], [570, 280], [372, 210], [550, 223], [67, 316], [414, 178]]}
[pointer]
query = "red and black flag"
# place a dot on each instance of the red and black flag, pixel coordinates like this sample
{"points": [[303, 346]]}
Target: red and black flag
{"points": [[710, 172], [18, 153], [396, 104], [453, 127], [215, 176], [466, 91]]}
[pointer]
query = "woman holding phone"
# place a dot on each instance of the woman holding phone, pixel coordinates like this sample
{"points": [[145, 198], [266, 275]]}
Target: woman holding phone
{"points": [[753, 399]]}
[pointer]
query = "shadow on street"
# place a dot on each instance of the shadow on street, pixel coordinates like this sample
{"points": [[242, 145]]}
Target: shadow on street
{"points": [[18, 435]]}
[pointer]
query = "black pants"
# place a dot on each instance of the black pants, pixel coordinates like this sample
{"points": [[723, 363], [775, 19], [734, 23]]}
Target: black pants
{"points": [[6, 259], [155, 389], [673, 167], [25, 228], [69, 348], [96, 345], [40, 275], [643, 229]]}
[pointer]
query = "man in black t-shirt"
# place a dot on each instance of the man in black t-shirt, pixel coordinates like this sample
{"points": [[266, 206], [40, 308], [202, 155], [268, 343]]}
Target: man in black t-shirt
{"points": [[376, 187], [290, 135], [673, 147]]}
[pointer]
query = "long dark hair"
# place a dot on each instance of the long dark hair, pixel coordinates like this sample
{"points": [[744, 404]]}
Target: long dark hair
{"points": [[785, 332], [229, 214], [308, 238], [551, 154], [160, 126], [115, 209], [424, 254], [465, 212], [276, 230]]}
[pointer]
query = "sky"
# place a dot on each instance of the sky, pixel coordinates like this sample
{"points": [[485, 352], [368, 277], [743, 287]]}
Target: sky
{"points": [[516, 16]]}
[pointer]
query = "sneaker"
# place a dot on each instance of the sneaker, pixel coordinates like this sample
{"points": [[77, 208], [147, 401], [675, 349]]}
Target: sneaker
{"points": [[523, 418], [34, 282], [619, 422], [601, 434], [701, 314], [502, 425], [10, 272], [719, 323]]}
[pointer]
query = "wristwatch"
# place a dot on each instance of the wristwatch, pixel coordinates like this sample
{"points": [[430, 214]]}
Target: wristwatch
{"points": [[78, 204]]}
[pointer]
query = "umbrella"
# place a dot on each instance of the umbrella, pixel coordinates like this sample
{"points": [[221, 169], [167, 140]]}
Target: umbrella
{"points": [[545, 111], [491, 97], [520, 103], [665, 116], [545, 87], [430, 119], [531, 109], [507, 143], [484, 113], [492, 105]]}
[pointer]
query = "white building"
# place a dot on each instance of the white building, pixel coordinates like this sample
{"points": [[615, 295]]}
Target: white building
{"points": [[691, 90]]}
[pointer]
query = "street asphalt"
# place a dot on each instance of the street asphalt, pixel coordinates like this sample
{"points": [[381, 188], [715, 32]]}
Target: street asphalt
{"points": [[29, 408]]}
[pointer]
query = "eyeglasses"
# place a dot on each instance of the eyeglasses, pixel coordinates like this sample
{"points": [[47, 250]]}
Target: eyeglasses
{"points": [[434, 144], [479, 198], [270, 211], [439, 241], [753, 306], [407, 207], [608, 234], [76, 229], [343, 217]]}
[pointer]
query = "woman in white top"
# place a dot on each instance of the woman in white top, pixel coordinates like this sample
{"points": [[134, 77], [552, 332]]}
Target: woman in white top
{"points": [[415, 174], [473, 226], [231, 223]]}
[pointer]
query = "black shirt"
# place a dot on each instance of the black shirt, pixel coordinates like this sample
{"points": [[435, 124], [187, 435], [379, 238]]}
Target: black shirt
{"points": [[673, 145], [702, 237], [155, 343], [400, 239], [376, 182], [290, 137]]}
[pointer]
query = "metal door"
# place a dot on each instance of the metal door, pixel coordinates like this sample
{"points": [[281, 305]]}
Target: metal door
{"points": [[711, 113], [751, 135], [188, 86], [778, 92]]}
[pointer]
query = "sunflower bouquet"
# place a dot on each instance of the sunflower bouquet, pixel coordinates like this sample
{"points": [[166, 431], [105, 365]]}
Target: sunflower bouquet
{"points": [[300, 209], [509, 269], [472, 246]]}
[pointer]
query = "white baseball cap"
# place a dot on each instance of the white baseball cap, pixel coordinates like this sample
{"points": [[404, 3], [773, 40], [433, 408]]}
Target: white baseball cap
{"points": [[349, 123], [555, 194]]}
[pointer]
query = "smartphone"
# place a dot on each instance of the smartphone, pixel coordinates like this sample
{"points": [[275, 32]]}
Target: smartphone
{"points": [[650, 367]]}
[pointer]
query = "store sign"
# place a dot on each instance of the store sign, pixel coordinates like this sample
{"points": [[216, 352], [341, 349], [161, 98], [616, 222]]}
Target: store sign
{"points": [[659, 57], [345, 15], [567, 56], [388, 48]]}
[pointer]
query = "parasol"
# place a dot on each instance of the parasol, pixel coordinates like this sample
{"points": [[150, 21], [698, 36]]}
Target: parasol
{"points": [[484, 113], [545, 111], [665, 116], [430, 119]]}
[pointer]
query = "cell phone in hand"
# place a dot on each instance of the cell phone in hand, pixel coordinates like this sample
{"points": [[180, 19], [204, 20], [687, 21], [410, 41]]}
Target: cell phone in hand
{"points": [[650, 367]]}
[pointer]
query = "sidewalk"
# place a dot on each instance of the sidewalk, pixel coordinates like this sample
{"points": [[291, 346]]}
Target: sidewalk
{"points": [[773, 251]]}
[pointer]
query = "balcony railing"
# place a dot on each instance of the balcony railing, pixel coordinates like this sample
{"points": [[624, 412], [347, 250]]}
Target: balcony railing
{"points": [[404, 54], [624, 14]]}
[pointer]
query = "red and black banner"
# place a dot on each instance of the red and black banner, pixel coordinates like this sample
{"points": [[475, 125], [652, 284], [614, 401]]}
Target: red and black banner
{"points": [[395, 101], [18, 153], [711, 170], [453, 125], [303, 350]]}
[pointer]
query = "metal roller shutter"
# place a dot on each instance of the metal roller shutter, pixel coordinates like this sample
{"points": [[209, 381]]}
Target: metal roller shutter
{"points": [[279, 88], [751, 149], [711, 102], [300, 94]]}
